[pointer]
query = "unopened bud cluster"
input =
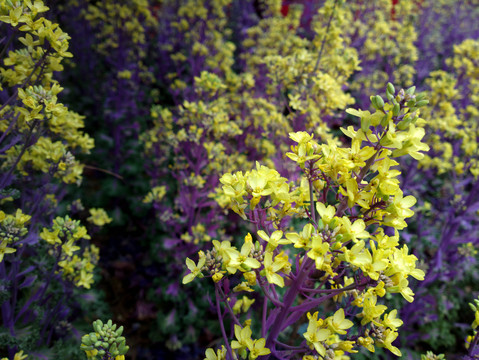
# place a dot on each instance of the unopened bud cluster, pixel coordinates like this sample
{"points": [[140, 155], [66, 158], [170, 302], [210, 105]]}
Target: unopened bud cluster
{"points": [[106, 343]]}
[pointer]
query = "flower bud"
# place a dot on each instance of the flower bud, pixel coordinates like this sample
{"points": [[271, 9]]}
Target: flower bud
{"points": [[119, 331], [390, 89], [396, 109], [380, 101], [422, 103]]}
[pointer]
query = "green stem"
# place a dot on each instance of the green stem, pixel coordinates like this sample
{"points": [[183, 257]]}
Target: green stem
{"points": [[325, 38]]}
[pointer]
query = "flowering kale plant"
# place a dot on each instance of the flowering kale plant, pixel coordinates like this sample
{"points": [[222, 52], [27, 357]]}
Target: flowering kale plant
{"points": [[42, 260], [341, 261]]}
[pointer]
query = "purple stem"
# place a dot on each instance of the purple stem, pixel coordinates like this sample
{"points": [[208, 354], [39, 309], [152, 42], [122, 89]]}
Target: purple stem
{"points": [[289, 298], [222, 325]]}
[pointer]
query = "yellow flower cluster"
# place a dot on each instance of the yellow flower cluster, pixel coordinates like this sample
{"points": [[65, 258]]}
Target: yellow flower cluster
{"points": [[99, 217], [202, 27], [118, 20], [50, 131], [247, 109], [454, 133], [326, 331], [76, 264], [12, 229], [383, 39], [312, 72], [244, 342], [348, 234], [155, 195]]}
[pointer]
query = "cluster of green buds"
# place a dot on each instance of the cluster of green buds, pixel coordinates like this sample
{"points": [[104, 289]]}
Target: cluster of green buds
{"points": [[106, 343], [405, 100], [430, 356], [12, 229], [475, 307]]}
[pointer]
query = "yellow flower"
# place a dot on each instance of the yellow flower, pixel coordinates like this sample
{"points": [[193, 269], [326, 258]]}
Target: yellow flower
{"points": [[244, 341], [326, 213], [371, 311], [338, 323], [319, 251], [5, 250], [195, 269], [91, 353], [18, 356], [99, 217], [258, 349], [51, 237], [274, 240], [353, 231], [367, 342], [301, 240], [386, 341], [271, 268], [315, 335], [242, 260], [219, 355], [243, 305], [68, 248], [391, 321]]}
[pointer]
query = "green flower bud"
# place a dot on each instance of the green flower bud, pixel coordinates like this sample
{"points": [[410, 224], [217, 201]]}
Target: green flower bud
{"points": [[420, 96], [390, 88], [384, 121], [404, 124], [320, 224], [411, 90], [422, 103], [106, 340], [86, 340], [119, 331], [396, 109], [374, 102], [380, 101], [99, 323]]}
